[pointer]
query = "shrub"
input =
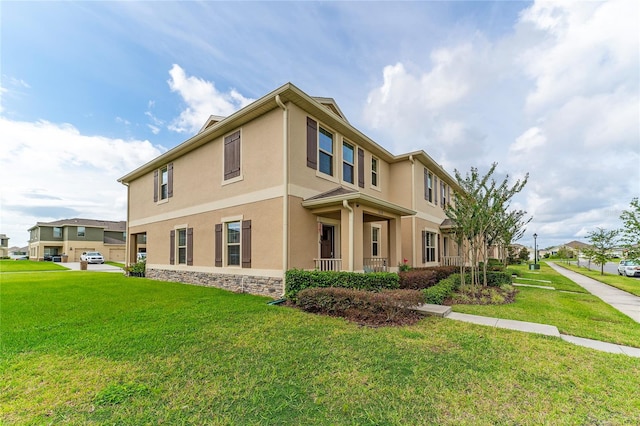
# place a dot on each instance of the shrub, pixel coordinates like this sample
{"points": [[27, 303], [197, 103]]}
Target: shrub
{"points": [[297, 280], [384, 307], [498, 279], [421, 278], [441, 291]]}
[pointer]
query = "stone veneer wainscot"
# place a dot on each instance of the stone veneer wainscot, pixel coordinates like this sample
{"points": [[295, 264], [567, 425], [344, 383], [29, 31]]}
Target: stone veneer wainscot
{"points": [[263, 286]]}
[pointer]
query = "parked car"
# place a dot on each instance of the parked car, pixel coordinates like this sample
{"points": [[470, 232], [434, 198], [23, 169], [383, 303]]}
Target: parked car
{"points": [[629, 268], [92, 257], [142, 256]]}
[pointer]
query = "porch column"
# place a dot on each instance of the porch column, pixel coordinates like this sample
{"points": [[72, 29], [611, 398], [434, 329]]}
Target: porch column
{"points": [[395, 244], [358, 235], [345, 234], [132, 248]]}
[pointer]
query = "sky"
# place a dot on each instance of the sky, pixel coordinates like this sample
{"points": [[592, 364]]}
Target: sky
{"points": [[89, 91]]}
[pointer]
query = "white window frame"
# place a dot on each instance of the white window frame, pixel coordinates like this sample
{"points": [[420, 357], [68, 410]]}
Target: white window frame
{"points": [[84, 231], [430, 246], [163, 183], [346, 143], [59, 229], [375, 172], [375, 230], [179, 246], [332, 155]]}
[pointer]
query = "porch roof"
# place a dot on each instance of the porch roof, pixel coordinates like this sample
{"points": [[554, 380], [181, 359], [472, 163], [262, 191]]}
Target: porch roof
{"points": [[336, 196]]}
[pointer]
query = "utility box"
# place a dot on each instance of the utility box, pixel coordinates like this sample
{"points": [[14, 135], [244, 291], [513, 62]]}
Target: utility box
{"points": [[533, 266]]}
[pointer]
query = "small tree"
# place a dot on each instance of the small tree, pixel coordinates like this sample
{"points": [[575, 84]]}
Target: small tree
{"points": [[523, 255], [602, 242], [630, 233]]}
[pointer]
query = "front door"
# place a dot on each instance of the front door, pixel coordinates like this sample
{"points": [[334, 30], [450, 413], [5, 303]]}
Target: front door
{"points": [[327, 248]]}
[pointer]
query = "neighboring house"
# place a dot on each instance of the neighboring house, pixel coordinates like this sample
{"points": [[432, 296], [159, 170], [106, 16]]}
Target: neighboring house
{"points": [[4, 245], [283, 183], [72, 237]]}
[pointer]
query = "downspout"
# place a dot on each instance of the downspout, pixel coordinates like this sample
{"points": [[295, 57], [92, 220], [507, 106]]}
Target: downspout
{"points": [[413, 207], [285, 191], [351, 250]]}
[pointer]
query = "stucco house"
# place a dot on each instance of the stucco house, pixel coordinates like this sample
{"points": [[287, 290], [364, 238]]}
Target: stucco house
{"points": [[4, 245], [286, 182], [72, 237]]}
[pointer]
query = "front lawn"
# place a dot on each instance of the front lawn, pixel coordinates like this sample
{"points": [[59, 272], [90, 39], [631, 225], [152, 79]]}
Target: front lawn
{"points": [[573, 310], [8, 265], [102, 348]]}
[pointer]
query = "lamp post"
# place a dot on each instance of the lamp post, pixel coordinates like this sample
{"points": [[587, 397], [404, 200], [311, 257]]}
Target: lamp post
{"points": [[535, 249]]}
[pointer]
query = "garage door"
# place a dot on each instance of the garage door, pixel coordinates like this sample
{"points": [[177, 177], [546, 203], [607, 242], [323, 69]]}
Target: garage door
{"points": [[116, 255]]}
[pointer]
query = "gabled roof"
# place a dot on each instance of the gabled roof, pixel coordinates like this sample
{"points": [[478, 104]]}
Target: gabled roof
{"points": [[213, 119], [577, 245], [108, 225], [331, 104]]}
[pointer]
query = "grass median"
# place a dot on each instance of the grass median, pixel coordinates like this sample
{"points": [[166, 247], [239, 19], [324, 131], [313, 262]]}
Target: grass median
{"points": [[569, 307], [102, 348]]}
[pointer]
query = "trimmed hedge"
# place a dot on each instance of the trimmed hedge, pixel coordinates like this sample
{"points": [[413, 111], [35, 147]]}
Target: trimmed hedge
{"points": [[421, 278], [386, 306], [498, 279], [297, 280], [443, 290]]}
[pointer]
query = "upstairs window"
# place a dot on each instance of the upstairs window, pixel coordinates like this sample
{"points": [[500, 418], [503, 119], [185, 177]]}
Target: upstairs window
{"points": [[348, 160], [232, 156], [325, 151], [428, 186], [57, 232], [374, 171], [444, 193], [163, 183], [81, 231]]}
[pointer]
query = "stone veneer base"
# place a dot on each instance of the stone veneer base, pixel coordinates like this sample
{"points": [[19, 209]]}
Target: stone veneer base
{"points": [[262, 286]]}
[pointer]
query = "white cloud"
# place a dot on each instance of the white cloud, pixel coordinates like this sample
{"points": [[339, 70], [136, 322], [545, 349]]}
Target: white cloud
{"points": [[202, 100], [558, 97], [52, 169]]}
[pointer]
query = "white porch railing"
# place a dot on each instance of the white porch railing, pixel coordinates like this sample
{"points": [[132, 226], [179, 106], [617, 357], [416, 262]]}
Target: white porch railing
{"points": [[328, 264], [375, 264], [452, 260]]}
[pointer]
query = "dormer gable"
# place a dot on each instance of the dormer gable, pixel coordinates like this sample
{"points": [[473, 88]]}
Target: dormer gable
{"points": [[211, 121], [331, 105]]}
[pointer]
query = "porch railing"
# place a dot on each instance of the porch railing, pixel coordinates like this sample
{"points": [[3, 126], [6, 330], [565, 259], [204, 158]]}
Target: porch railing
{"points": [[328, 264], [375, 264], [452, 260]]}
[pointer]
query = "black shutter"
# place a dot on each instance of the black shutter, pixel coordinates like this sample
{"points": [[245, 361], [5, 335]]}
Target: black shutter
{"points": [[172, 247], [246, 244], [218, 244], [189, 246], [170, 180], [312, 144], [360, 167], [232, 155], [424, 246], [155, 186]]}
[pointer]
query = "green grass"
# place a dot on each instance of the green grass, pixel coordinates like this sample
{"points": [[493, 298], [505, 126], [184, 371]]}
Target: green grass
{"points": [[628, 284], [116, 264], [100, 348], [8, 265], [578, 314]]}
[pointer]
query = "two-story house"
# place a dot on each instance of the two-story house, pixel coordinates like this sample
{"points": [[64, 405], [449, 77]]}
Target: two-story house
{"points": [[286, 182], [72, 237]]}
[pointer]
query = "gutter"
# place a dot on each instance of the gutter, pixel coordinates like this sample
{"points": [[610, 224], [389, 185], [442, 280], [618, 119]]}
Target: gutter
{"points": [[285, 186]]}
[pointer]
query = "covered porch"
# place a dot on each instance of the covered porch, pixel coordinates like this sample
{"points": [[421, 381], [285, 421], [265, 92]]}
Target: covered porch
{"points": [[356, 232]]}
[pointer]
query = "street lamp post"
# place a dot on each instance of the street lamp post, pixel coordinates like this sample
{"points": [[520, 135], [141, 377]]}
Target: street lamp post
{"points": [[535, 249]]}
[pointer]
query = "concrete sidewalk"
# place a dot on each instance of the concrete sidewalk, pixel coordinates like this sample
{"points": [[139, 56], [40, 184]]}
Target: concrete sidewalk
{"points": [[625, 302]]}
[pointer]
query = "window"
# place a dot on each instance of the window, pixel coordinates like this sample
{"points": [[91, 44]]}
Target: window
{"points": [[348, 160], [233, 243], [374, 171], [325, 151], [428, 247], [57, 232], [232, 156], [182, 245], [428, 185], [375, 241], [163, 183], [81, 231], [443, 193]]}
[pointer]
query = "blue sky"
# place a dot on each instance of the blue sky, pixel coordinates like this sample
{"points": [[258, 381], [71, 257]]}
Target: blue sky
{"points": [[91, 90]]}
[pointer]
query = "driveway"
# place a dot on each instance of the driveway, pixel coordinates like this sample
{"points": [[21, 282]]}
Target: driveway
{"points": [[75, 266]]}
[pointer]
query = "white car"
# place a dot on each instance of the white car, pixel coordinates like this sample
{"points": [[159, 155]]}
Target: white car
{"points": [[92, 257], [629, 268]]}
